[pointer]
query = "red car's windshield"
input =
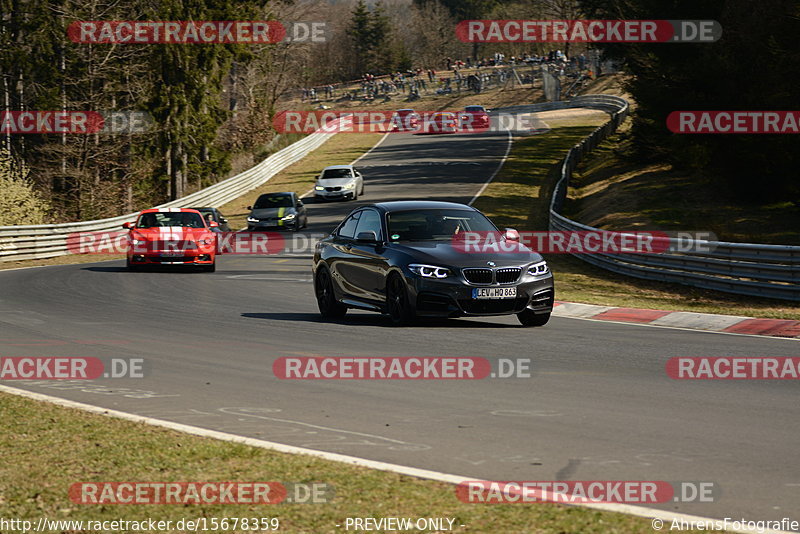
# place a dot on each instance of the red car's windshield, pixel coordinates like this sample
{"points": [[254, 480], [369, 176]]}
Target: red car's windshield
{"points": [[167, 219]]}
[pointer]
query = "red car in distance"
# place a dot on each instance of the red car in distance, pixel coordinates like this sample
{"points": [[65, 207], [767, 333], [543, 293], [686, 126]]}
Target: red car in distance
{"points": [[171, 236], [439, 122], [474, 118], [405, 120]]}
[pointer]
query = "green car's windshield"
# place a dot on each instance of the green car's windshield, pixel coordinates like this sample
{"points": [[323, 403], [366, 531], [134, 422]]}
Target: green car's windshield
{"points": [[435, 224], [273, 201]]}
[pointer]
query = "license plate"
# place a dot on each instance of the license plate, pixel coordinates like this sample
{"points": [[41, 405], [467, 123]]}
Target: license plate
{"points": [[171, 254], [494, 293]]}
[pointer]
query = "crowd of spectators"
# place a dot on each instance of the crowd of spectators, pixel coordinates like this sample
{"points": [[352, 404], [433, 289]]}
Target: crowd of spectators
{"points": [[413, 82]]}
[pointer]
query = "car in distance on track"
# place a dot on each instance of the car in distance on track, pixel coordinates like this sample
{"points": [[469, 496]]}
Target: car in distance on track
{"points": [[474, 117], [439, 122], [171, 236], [277, 211], [213, 214], [405, 120], [339, 182], [401, 258]]}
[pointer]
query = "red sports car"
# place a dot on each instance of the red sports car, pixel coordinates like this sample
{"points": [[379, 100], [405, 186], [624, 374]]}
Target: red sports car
{"points": [[405, 120], [171, 236], [474, 118], [439, 122]]}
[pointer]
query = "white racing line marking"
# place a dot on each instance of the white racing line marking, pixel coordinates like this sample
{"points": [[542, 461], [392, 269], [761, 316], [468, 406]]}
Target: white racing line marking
{"points": [[639, 511], [399, 445], [499, 166]]}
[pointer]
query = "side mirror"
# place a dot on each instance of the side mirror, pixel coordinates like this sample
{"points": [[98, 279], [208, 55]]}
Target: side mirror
{"points": [[213, 224], [127, 225], [250, 207], [369, 237], [512, 235]]}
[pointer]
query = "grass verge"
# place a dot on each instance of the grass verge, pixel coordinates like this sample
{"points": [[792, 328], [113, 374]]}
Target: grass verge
{"points": [[46, 448], [517, 198], [615, 193]]}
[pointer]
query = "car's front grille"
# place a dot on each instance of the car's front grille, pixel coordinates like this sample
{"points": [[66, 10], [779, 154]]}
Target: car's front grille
{"points": [[332, 189], [177, 245], [478, 276], [508, 275], [173, 259], [503, 275], [489, 306]]}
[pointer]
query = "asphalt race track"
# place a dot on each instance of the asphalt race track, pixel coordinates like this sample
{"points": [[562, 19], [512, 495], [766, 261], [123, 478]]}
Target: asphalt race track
{"points": [[599, 405]]}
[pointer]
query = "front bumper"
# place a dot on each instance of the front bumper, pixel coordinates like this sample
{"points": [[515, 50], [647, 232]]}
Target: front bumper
{"points": [[452, 297], [271, 225], [166, 258], [335, 195]]}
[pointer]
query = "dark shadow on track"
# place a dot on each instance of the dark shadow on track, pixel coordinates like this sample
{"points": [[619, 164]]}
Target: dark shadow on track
{"points": [[178, 269], [367, 319]]}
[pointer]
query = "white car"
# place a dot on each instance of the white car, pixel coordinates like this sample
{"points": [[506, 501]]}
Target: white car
{"points": [[337, 182]]}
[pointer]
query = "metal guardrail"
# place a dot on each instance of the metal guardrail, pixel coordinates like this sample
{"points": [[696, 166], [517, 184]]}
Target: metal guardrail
{"points": [[743, 268], [50, 240]]}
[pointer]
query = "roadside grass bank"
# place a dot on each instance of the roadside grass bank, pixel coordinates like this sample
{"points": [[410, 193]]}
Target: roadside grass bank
{"points": [[612, 192], [40, 463], [517, 198]]}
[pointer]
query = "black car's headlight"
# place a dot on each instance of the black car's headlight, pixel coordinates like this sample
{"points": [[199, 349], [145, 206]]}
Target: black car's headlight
{"points": [[429, 271], [289, 217], [252, 219], [538, 269]]}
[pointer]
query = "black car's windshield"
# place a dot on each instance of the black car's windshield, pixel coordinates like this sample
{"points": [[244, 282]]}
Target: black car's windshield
{"points": [[435, 224], [166, 219], [474, 108], [273, 201], [336, 173]]}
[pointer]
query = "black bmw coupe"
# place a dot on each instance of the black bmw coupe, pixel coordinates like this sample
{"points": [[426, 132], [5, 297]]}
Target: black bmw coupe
{"points": [[408, 259]]}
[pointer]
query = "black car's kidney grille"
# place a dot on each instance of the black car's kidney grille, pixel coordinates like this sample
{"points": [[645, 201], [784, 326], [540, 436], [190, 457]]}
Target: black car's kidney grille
{"points": [[332, 189], [478, 276], [504, 275], [508, 275]]}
